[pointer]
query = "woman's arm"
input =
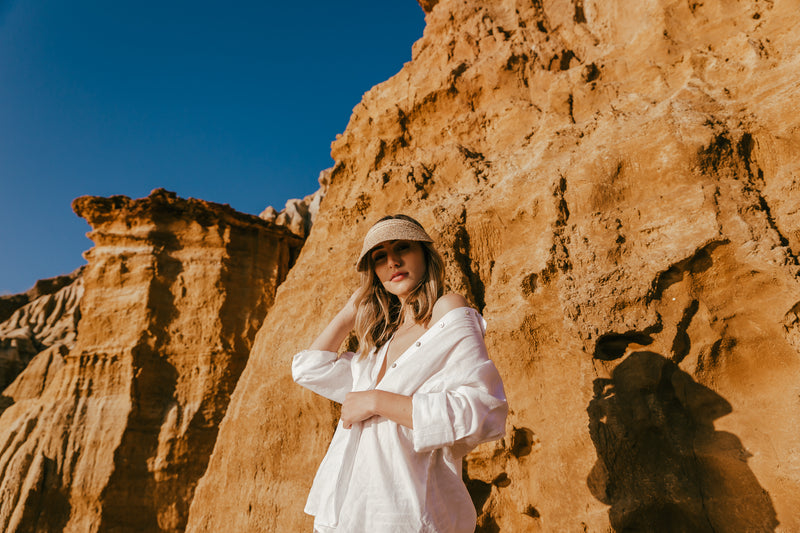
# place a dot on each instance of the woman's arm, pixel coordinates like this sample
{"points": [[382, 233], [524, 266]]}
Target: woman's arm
{"points": [[318, 368], [337, 329], [361, 405]]}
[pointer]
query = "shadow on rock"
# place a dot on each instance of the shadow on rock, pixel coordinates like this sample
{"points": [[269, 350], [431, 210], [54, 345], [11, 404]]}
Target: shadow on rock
{"points": [[662, 467]]}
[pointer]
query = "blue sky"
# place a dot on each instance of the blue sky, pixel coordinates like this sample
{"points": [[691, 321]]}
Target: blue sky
{"points": [[233, 102]]}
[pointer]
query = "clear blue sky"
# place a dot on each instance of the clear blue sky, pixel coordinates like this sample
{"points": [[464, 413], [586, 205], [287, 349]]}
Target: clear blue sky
{"points": [[233, 102]]}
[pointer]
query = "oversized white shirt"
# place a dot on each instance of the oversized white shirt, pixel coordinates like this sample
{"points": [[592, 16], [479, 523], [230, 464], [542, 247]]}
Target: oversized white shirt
{"points": [[382, 477]]}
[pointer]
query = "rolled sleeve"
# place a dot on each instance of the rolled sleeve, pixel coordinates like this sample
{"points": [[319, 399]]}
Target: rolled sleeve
{"points": [[324, 373], [432, 418], [463, 415]]}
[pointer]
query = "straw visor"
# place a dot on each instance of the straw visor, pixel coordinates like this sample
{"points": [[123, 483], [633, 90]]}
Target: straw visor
{"points": [[394, 229]]}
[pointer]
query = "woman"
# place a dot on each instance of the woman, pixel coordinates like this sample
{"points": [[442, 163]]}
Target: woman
{"points": [[418, 396]]}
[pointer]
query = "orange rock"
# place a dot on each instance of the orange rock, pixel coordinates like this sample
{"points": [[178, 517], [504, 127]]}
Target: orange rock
{"points": [[615, 186], [114, 434]]}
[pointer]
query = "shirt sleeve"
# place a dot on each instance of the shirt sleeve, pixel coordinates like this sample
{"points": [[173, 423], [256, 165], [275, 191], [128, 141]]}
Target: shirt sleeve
{"points": [[468, 412], [324, 373]]}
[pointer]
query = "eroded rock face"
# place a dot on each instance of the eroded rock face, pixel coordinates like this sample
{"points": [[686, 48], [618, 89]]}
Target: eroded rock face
{"points": [[427, 5], [614, 185], [47, 322], [113, 435], [10, 303]]}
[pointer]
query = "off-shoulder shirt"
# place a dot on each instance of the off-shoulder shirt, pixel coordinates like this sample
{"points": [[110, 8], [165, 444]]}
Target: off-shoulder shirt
{"points": [[382, 477]]}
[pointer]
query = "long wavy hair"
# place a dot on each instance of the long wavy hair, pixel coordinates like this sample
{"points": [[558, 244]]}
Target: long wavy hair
{"points": [[379, 312]]}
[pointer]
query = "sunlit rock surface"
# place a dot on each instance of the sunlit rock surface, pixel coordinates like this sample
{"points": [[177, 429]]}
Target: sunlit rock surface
{"points": [[614, 185], [113, 434]]}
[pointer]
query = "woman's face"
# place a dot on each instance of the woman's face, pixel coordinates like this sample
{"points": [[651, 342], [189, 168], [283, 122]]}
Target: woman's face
{"points": [[399, 265]]}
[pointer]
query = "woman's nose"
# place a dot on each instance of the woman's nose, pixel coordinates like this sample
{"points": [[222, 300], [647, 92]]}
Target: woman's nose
{"points": [[393, 258]]}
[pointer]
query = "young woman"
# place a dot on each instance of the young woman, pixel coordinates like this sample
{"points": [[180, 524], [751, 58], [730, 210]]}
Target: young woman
{"points": [[419, 395]]}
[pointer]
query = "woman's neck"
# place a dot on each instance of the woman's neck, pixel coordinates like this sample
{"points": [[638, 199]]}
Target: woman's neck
{"points": [[407, 316]]}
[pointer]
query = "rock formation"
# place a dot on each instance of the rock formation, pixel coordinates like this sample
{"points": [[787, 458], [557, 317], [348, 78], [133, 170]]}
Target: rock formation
{"points": [[614, 185], [298, 215], [10, 303], [49, 322], [114, 434]]}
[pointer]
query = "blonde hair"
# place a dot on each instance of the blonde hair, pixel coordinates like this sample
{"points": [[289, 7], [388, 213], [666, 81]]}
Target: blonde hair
{"points": [[379, 312]]}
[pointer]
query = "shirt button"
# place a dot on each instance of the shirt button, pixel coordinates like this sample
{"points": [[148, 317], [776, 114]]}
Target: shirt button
{"points": [[441, 325], [394, 365], [466, 313], [417, 344]]}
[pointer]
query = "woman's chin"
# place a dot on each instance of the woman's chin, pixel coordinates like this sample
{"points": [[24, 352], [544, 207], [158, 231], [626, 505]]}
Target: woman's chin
{"points": [[401, 288]]}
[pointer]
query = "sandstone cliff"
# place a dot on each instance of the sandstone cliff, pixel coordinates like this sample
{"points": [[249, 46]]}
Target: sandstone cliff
{"points": [[113, 435], [615, 187]]}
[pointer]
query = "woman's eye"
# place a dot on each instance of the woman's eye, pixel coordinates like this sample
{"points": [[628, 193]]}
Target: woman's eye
{"points": [[378, 257], [402, 247]]}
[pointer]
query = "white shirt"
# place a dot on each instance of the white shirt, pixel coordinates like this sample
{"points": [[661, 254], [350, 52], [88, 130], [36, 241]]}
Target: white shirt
{"points": [[382, 477]]}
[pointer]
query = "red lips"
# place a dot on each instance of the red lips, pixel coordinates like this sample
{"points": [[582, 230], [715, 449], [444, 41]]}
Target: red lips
{"points": [[397, 276]]}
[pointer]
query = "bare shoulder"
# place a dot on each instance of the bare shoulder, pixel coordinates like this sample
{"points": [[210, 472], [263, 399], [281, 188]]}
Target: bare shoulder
{"points": [[447, 303]]}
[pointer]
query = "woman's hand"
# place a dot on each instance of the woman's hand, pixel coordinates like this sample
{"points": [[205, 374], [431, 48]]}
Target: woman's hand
{"points": [[350, 308], [357, 407], [337, 329]]}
